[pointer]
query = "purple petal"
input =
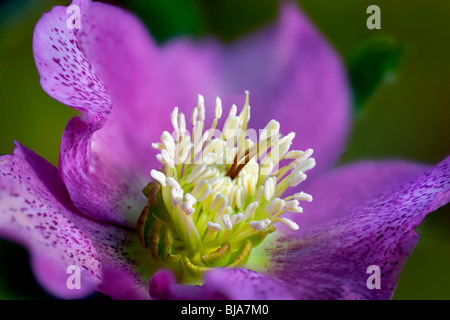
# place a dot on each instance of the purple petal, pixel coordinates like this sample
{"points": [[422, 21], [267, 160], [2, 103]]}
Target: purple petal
{"points": [[36, 212], [332, 261], [336, 193], [220, 284], [102, 175]]}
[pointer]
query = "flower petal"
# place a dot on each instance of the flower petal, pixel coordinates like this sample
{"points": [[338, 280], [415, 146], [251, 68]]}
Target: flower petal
{"points": [[101, 165], [37, 213], [336, 193], [219, 284], [332, 260]]}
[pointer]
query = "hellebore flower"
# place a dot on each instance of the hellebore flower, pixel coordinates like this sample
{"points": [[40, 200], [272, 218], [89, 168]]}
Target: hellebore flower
{"points": [[230, 229]]}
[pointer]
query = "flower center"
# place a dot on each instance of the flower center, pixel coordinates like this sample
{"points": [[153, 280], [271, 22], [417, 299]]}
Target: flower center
{"points": [[219, 193]]}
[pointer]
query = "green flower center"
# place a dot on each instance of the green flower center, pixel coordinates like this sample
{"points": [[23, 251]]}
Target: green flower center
{"points": [[219, 193]]}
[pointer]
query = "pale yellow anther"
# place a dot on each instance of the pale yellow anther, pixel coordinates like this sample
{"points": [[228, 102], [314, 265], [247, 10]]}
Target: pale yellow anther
{"points": [[182, 124], [218, 109], [271, 129], [168, 142], [291, 224], [259, 193], [250, 210], [159, 176], [196, 171], [274, 206], [194, 117], [305, 165], [293, 206], [201, 190], [227, 221], [177, 196], [295, 179], [188, 205], [269, 188], [219, 203], [157, 146], [214, 226], [302, 196], [174, 119]]}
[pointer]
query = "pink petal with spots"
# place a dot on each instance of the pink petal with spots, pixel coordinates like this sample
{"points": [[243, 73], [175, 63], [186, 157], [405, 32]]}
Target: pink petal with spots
{"points": [[337, 193], [36, 212], [99, 172], [332, 259]]}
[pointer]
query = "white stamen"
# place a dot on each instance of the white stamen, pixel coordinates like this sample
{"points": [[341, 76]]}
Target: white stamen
{"points": [[214, 226], [201, 190], [177, 196], [295, 179], [250, 210], [233, 110], [293, 206], [157, 146], [274, 206], [291, 224], [166, 158], [271, 129], [196, 171], [294, 154], [182, 124], [236, 218], [305, 156], [259, 193], [188, 205], [159, 176], [302, 196], [201, 108], [227, 221], [194, 116], [260, 225], [219, 203], [168, 142], [174, 118], [173, 183], [266, 167], [269, 188], [306, 165], [218, 110]]}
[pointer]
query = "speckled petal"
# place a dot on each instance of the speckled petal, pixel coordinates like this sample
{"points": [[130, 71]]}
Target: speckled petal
{"points": [[220, 284], [101, 172], [37, 213], [336, 193], [332, 260]]}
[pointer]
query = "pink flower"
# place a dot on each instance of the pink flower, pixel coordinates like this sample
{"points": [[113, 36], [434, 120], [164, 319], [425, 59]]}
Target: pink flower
{"points": [[125, 86]]}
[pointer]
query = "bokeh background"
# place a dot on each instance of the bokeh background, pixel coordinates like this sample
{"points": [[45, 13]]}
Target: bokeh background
{"points": [[399, 75]]}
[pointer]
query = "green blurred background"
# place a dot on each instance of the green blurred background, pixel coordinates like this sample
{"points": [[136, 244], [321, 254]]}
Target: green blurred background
{"points": [[400, 76]]}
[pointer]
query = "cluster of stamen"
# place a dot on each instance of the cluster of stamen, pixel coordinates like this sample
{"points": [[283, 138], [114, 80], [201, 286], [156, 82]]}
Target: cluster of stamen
{"points": [[222, 192]]}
